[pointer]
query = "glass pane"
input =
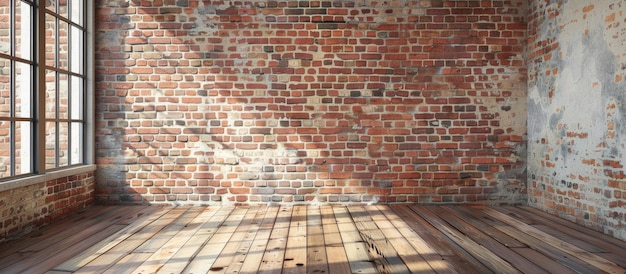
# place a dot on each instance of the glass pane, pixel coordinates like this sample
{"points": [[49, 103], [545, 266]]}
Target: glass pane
{"points": [[51, 94], [5, 29], [62, 8], [76, 99], [51, 47], [63, 46], [77, 11], [23, 90], [51, 5], [5, 148], [23, 28], [64, 145], [23, 148], [63, 96], [5, 88], [51, 145], [77, 51], [77, 143]]}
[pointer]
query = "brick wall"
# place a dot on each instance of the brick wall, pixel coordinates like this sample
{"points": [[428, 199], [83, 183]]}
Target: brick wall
{"points": [[27, 208], [576, 130], [311, 101]]}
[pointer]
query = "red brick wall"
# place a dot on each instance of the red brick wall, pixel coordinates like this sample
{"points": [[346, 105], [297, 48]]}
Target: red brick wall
{"points": [[27, 208], [576, 129], [311, 101]]}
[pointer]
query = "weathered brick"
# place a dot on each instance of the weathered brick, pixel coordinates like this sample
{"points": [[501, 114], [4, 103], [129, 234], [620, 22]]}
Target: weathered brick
{"points": [[37, 205], [309, 98]]}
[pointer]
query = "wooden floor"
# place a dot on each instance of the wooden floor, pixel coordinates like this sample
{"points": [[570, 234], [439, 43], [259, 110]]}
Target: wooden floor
{"points": [[311, 239]]}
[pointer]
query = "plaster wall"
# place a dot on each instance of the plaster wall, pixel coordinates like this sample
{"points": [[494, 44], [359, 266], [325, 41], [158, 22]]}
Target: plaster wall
{"points": [[576, 123]]}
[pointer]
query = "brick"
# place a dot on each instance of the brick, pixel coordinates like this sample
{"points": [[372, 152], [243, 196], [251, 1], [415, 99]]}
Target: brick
{"points": [[298, 87], [42, 203]]}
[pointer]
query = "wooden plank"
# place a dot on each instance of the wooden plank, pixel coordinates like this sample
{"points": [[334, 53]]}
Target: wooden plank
{"points": [[430, 256], [500, 236], [590, 233], [49, 233], [45, 259], [180, 230], [209, 221], [81, 225], [411, 258], [259, 245], [238, 240], [70, 249], [482, 254], [127, 263], [425, 230], [575, 231], [386, 256], [534, 243], [15, 251], [335, 252], [516, 260], [585, 256], [205, 258], [356, 249], [113, 255], [619, 259], [543, 261], [448, 249], [143, 218], [274, 256], [317, 261], [295, 253], [159, 239], [584, 245]]}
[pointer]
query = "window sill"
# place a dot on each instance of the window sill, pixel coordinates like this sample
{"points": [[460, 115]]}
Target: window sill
{"points": [[53, 175]]}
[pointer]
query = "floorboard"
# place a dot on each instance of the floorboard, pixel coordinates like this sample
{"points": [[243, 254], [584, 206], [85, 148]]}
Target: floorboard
{"points": [[335, 250], [295, 253], [273, 258], [357, 238], [241, 240], [208, 254]]}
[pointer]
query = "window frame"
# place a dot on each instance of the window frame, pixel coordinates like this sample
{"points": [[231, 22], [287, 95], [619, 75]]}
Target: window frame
{"points": [[38, 170]]}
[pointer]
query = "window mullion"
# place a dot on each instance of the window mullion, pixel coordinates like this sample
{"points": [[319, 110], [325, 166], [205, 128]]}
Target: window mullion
{"points": [[12, 94], [40, 115]]}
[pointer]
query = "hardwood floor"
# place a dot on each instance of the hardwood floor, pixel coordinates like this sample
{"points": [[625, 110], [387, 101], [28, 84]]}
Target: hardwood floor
{"points": [[313, 239]]}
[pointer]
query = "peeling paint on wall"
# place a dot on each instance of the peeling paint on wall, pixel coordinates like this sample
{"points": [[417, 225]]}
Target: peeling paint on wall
{"points": [[576, 129]]}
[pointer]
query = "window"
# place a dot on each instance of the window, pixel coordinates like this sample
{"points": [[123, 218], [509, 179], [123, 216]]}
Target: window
{"points": [[43, 85]]}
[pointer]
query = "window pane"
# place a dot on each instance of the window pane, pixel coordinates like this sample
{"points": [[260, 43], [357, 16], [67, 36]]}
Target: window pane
{"points": [[5, 148], [51, 145], [63, 99], [77, 98], [63, 144], [51, 43], [77, 143], [5, 29], [77, 51], [23, 27], [51, 5], [77, 12], [62, 8], [23, 90], [5, 88], [63, 46], [23, 148], [51, 94]]}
